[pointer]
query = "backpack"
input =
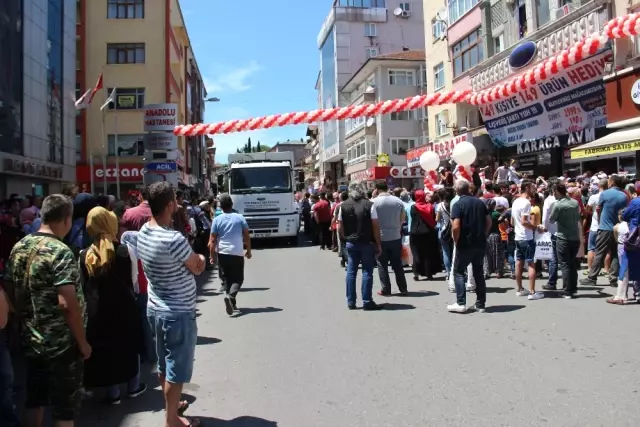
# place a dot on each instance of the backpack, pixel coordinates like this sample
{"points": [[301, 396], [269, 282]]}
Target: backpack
{"points": [[445, 231], [71, 238]]}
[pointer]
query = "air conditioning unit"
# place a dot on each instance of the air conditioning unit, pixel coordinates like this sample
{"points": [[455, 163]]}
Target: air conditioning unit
{"points": [[406, 13]]}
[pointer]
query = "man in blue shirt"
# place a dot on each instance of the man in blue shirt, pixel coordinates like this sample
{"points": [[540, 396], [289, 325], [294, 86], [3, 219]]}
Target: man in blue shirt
{"points": [[229, 238], [610, 203]]}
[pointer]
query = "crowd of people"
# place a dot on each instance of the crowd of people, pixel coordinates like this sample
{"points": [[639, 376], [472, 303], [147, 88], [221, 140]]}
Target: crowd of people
{"points": [[72, 260], [504, 225]]}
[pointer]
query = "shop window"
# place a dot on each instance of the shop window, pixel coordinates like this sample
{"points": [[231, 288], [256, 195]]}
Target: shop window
{"points": [[402, 145], [128, 145], [127, 99]]}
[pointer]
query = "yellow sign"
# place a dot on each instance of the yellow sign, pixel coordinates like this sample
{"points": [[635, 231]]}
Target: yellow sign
{"points": [[625, 147], [383, 159], [126, 101]]}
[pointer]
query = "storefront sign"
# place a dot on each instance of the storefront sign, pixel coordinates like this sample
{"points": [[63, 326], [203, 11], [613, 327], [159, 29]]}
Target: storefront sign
{"points": [[635, 92], [161, 141], [570, 101], [127, 173], [161, 167], [160, 117], [413, 156], [371, 174], [442, 148], [604, 150], [545, 144], [400, 172], [30, 168]]}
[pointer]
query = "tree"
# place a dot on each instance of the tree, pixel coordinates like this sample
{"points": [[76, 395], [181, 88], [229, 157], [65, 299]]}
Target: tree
{"points": [[249, 147], [258, 147]]}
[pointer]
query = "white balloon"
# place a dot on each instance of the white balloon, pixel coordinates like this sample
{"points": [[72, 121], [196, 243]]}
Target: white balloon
{"points": [[429, 161], [464, 153]]}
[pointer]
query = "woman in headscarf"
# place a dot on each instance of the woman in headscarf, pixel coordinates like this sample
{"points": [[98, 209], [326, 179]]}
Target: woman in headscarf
{"points": [[423, 238], [113, 322]]}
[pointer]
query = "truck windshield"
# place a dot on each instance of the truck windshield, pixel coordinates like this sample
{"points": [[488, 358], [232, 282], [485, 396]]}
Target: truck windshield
{"points": [[260, 180]]}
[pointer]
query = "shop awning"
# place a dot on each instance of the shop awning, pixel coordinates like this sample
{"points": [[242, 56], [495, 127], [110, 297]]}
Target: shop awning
{"points": [[622, 141]]}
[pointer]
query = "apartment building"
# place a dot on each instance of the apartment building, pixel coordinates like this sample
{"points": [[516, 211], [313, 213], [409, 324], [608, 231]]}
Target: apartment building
{"points": [[515, 36], [619, 148], [391, 76], [143, 50], [353, 32], [36, 114]]}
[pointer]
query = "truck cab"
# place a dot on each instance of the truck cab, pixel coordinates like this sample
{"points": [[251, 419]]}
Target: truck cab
{"points": [[262, 188]]}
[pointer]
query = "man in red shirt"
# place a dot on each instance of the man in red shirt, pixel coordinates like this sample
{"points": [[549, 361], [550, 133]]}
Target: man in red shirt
{"points": [[134, 218], [322, 215]]}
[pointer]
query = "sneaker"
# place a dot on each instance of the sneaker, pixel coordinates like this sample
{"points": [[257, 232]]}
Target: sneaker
{"points": [[479, 309], [384, 294], [351, 306], [222, 289], [587, 282], [404, 293], [227, 305], [452, 290], [569, 296], [535, 296], [371, 306], [470, 288], [549, 287], [522, 293], [236, 310], [141, 390], [456, 308]]}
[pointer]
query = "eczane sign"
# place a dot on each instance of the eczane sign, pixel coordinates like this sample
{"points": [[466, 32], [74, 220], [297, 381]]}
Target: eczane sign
{"points": [[160, 117]]}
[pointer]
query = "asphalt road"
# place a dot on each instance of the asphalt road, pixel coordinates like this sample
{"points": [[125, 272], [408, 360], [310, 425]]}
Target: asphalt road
{"points": [[299, 358]]}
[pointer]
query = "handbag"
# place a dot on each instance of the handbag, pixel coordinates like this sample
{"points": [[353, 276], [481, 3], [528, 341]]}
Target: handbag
{"points": [[632, 242]]}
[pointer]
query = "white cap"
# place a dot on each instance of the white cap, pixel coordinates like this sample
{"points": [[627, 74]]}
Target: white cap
{"points": [[204, 204]]}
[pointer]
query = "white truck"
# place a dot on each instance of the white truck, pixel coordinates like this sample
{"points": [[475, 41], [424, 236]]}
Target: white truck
{"points": [[262, 188]]}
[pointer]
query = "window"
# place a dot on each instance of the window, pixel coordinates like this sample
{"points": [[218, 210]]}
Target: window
{"points": [[371, 52], [362, 3], [402, 145], [457, 8], [405, 6], [128, 145], [352, 125], [360, 151], [402, 78], [422, 76], [438, 76], [438, 29], [125, 9], [441, 124], [401, 115], [78, 146], [127, 99], [498, 43], [125, 53], [370, 29], [467, 53]]}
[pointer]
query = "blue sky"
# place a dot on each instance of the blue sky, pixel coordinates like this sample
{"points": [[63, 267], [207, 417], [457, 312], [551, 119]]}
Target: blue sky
{"points": [[259, 58]]}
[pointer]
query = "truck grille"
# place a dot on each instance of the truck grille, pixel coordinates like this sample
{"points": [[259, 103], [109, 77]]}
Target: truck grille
{"points": [[263, 225]]}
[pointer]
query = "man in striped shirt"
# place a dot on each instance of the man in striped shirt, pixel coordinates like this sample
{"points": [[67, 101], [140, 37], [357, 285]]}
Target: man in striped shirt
{"points": [[170, 265]]}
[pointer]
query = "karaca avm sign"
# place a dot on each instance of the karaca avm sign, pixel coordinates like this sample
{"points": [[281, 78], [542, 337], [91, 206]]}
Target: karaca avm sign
{"points": [[626, 147]]}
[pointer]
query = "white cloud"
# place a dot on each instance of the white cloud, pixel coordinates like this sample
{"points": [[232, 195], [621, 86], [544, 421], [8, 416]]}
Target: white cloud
{"points": [[231, 79]]}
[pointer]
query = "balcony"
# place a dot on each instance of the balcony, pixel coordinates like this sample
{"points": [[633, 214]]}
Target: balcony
{"points": [[360, 131], [350, 14]]}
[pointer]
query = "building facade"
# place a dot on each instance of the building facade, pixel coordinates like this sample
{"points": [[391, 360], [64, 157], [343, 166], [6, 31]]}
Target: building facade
{"points": [[515, 36], [391, 76], [36, 115], [144, 52], [353, 32]]}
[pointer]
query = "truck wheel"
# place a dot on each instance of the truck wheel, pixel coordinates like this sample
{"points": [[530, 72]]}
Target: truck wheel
{"points": [[293, 241]]}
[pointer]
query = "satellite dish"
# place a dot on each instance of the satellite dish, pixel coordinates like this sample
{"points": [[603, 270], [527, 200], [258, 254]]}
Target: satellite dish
{"points": [[370, 121], [397, 11], [370, 89]]}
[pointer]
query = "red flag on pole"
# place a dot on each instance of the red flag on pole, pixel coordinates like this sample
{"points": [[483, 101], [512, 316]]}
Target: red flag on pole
{"points": [[98, 87]]}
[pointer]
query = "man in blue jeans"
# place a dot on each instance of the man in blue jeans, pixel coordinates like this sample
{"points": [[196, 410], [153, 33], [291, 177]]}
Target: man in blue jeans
{"points": [[552, 228], [358, 226], [8, 417], [390, 214], [170, 264]]}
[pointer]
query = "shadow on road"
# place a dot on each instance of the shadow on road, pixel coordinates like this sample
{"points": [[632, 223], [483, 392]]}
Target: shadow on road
{"points": [[245, 421], [498, 290], [390, 306], [207, 340], [253, 289], [422, 294], [503, 308], [257, 310]]}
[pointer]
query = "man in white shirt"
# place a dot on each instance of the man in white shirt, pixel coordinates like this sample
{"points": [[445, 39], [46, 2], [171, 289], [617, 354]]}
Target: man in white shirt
{"points": [[501, 176], [524, 239], [551, 228], [592, 205]]}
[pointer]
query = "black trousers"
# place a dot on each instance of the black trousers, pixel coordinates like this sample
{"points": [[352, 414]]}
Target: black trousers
{"points": [[324, 234], [232, 272], [567, 252]]}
